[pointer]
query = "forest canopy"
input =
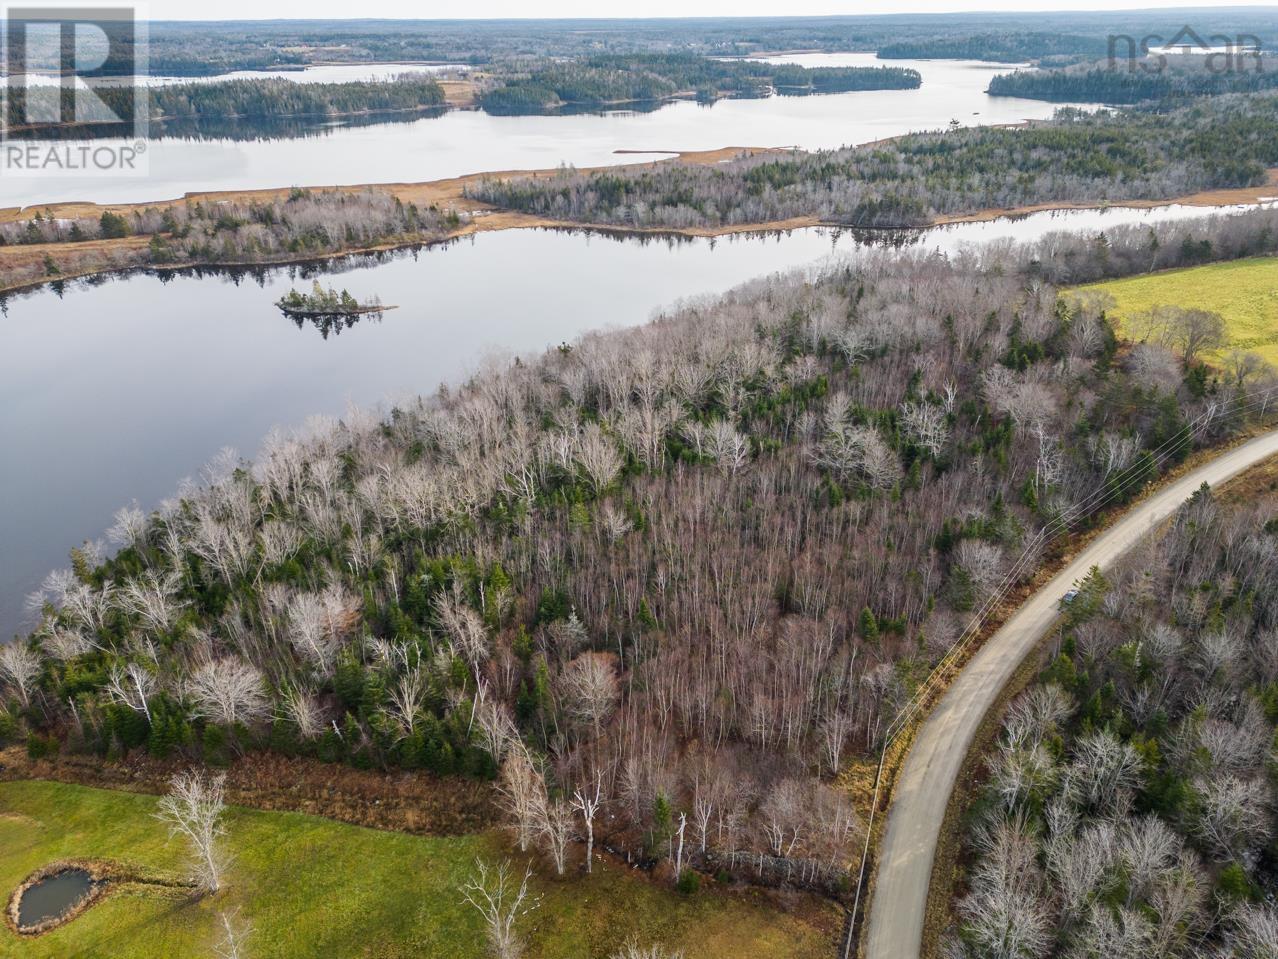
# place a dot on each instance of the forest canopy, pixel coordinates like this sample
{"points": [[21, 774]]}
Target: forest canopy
{"points": [[253, 99], [614, 78], [194, 48], [908, 181], [695, 565], [1130, 806], [996, 47], [1177, 76]]}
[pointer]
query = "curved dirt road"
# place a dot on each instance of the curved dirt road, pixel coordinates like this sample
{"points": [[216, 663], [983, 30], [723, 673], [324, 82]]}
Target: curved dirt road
{"points": [[904, 870]]}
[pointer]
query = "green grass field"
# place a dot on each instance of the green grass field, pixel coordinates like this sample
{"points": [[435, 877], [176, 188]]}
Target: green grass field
{"points": [[1244, 292], [312, 887]]}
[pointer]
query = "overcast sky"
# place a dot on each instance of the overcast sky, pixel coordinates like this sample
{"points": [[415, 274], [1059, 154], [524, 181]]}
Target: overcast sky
{"points": [[416, 9]]}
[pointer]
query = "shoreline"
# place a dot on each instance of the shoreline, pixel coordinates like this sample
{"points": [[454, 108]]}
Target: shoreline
{"points": [[449, 193], [1232, 196], [228, 117]]}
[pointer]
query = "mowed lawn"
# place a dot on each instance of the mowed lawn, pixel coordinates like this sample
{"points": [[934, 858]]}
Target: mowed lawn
{"points": [[1244, 292], [311, 887]]}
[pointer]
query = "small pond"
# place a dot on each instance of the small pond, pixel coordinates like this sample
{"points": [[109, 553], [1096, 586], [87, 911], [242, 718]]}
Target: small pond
{"points": [[52, 897]]}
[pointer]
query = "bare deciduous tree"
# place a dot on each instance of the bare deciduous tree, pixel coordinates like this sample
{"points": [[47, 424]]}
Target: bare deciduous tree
{"points": [[407, 695], [304, 711], [496, 727], [1191, 331], [465, 629], [855, 451], [501, 903], [129, 527], [234, 934], [131, 686], [1253, 931], [1234, 815], [983, 563], [587, 803], [229, 691], [522, 789], [633, 950], [65, 643], [153, 598], [926, 427], [598, 458], [590, 688], [834, 732], [317, 626], [193, 809], [20, 665], [557, 831]]}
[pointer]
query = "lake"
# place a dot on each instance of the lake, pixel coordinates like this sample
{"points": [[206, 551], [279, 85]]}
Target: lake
{"points": [[113, 390], [471, 141]]}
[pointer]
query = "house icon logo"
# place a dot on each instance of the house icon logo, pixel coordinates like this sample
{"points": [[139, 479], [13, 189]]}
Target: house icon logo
{"points": [[1219, 53], [1187, 40]]}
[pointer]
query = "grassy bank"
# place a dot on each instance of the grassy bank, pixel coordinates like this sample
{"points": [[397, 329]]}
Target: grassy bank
{"points": [[1243, 292], [313, 887]]}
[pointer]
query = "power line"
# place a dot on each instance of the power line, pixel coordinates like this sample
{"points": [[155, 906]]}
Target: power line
{"points": [[1095, 501]]}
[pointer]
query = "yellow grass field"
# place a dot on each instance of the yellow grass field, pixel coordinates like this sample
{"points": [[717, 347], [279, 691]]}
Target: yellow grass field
{"points": [[1244, 292]]}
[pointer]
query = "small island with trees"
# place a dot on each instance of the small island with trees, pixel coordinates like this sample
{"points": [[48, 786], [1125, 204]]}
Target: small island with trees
{"points": [[324, 303]]}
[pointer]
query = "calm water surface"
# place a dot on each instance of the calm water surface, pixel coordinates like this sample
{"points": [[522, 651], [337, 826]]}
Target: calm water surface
{"points": [[114, 390], [53, 896], [470, 141]]}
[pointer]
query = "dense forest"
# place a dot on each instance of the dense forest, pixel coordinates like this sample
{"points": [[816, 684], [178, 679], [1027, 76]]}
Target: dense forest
{"points": [[687, 569], [909, 181], [256, 99], [996, 47], [203, 48], [1178, 77], [1130, 807], [522, 87], [619, 79], [306, 224], [199, 49]]}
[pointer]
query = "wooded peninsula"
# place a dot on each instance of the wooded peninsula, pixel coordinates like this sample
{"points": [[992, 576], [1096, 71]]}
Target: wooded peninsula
{"points": [[911, 180]]}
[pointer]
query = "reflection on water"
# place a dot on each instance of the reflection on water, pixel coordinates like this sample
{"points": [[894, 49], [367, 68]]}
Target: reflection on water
{"points": [[471, 141], [114, 388], [240, 129], [334, 323]]}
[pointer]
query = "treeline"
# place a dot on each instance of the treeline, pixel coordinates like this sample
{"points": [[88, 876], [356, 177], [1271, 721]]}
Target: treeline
{"points": [[1131, 808], [1079, 157], [1073, 257], [228, 128], [1125, 83], [606, 79], [269, 98], [996, 47], [284, 98], [515, 88], [792, 80], [198, 63], [181, 48], [688, 569], [305, 224]]}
